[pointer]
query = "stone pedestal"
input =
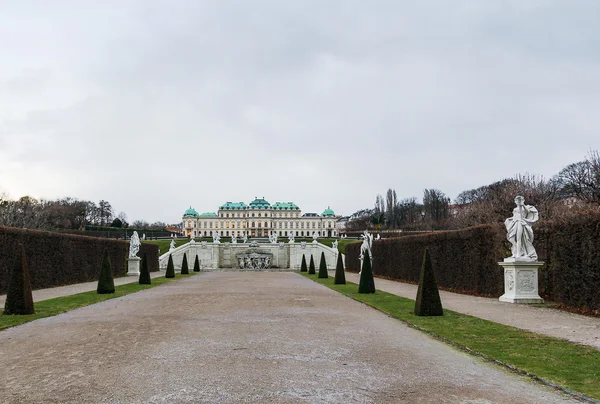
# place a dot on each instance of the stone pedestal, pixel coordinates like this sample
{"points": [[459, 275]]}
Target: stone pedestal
{"points": [[133, 266], [521, 281]]}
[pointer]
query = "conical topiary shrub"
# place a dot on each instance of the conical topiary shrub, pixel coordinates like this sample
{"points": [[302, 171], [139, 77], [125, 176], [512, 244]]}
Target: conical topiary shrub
{"points": [[106, 284], [196, 264], [428, 301], [170, 268], [367, 282], [340, 275], [323, 267], [18, 297], [144, 272], [311, 267], [184, 265], [303, 265]]}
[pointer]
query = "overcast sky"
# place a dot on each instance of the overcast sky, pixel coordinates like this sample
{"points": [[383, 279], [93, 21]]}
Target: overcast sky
{"points": [[159, 105]]}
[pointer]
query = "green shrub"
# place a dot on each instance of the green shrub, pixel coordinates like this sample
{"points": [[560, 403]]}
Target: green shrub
{"points": [[106, 284], [323, 267], [170, 268], [19, 299], [184, 265], [303, 265], [367, 282], [144, 273], [428, 301], [196, 264], [340, 276], [311, 267]]}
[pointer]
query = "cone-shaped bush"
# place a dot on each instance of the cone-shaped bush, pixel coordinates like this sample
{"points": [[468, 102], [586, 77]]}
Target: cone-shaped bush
{"points": [[196, 264], [340, 275], [311, 266], [428, 301], [170, 268], [144, 272], [367, 282], [106, 284], [323, 267], [303, 265], [18, 298], [184, 265]]}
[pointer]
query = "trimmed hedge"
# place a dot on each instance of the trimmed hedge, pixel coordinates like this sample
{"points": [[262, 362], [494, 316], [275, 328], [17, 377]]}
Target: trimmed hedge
{"points": [[466, 261], [56, 259]]}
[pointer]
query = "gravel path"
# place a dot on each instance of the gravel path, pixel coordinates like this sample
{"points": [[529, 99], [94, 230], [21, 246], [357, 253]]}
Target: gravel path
{"points": [[576, 328], [243, 337]]}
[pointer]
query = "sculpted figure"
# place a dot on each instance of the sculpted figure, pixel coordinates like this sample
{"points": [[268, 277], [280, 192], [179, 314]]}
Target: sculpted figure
{"points": [[234, 239], [273, 238], [216, 238], [291, 237], [134, 245], [172, 245], [245, 238], [520, 233], [366, 245], [315, 237], [334, 245]]}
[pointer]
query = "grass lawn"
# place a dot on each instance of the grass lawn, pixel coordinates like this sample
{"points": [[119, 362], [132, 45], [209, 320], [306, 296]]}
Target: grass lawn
{"points": [[566, 364], [52, 307]]}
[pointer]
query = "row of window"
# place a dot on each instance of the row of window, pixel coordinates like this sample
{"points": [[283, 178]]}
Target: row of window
{"points": [[280, 225], [226, 233], [287, 214]]}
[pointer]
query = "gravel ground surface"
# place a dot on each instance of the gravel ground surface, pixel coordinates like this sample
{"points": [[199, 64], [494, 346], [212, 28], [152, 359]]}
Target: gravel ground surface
{"points": [[243, 337], [555, 323]]}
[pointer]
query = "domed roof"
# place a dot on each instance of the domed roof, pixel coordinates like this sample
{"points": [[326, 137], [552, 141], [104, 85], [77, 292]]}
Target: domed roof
{"points": [[285, 206], [208, 214], [259, 203], [190, 212], [233, 206], [328, 212]]}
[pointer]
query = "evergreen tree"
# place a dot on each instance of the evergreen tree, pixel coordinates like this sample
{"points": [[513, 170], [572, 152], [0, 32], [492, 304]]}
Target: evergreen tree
{"points": [[144, 272], [367, 282], [303, 265], [311, 267], [196, 264], [106, 284], [323, 267], [170, 268], [428, 301], [340, 275], [19, 299], [184, 265]]}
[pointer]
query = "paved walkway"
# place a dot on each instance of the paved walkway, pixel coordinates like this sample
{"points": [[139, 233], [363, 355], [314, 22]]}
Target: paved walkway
{"points": [[68, 290], [263, 337], [555, 323]]}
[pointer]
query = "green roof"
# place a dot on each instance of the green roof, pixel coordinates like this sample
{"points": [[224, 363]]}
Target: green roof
{"points": [[285, 206], [259, 203], [190, 212], [208, 214], [233, 205], [328, 212]]}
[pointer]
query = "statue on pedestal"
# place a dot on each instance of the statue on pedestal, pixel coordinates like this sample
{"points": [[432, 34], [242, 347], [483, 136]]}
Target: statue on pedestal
{"points": [[233, 239], [216, 238], [134, 245], [334, 245], [245, 238], [315, 237], [273, 238], [366, 245], [291, 237], [172, 245], [520, 233]]}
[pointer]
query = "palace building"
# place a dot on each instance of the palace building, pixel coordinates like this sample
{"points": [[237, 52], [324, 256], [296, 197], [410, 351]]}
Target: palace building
{"points": [[259, 219]]}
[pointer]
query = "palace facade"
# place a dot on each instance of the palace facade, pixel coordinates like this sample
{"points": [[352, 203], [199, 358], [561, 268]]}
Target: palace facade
{"points": [[259, 219]]}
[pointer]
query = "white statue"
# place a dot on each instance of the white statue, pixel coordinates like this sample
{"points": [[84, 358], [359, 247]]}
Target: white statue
{"points": [[233, 239], [273, 238], [315, 237], [216, 238], [520, 233], [192, 236], [378, 237], [144, 236], [134, 245], [244, 238], [292, 237], [175, 235], [334, 245], [172, 245], [366, 245]]}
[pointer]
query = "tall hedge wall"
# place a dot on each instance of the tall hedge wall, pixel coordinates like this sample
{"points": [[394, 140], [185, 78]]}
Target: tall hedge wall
{"points": [[466, 260], [56, 259], [463, 260]]}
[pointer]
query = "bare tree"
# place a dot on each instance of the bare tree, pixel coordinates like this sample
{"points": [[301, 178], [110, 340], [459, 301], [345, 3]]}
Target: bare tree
{"points": [[582, 179]]}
